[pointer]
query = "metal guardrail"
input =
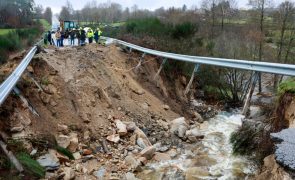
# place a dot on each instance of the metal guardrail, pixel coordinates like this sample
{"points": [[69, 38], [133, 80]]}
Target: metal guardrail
{"points": [[7, 86], [273, 68]]}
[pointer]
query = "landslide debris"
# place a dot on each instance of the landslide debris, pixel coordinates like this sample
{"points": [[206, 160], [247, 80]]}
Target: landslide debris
{"points": [[94, 106]]}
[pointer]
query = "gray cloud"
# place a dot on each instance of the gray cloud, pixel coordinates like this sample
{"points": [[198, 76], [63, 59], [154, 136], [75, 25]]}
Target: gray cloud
{"points": [[142, 4]]}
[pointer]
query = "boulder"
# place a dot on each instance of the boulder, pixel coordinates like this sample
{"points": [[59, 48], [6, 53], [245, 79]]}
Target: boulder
{"points": [[63, 128], [132, 163], [115, 138], [179, 127], [69, 173], [194, 132], [161, 157], [121, 127], [49, 162], [196, 173], [74, 142], [148, 152]]}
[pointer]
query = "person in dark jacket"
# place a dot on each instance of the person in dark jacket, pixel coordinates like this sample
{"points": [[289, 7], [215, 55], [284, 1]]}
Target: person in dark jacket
{"points": [[83, 37], [72, 36], [62, 38], [49, 37], [78, 35]]}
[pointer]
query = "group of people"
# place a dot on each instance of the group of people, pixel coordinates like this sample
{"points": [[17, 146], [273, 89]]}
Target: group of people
{"points": [[80, 34]]}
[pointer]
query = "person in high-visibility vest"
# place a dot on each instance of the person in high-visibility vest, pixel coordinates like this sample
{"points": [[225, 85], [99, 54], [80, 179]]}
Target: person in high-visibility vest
{"points": [[97, 35], [90, 36]]}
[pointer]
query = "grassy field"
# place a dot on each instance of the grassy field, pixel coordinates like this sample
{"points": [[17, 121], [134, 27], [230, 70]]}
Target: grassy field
{"points": [[5, 31]]}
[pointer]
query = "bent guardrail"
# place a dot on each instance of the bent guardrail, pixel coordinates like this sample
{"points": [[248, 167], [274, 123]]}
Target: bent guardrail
{"points": [[273, 68], [7, 86]]}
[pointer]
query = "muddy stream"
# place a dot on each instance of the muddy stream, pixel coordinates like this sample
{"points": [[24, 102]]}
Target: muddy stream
{"points": [[211, 158]]}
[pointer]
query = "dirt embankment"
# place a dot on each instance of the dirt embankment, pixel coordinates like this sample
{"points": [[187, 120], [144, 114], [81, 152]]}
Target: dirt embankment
{"points": [[83, 90]]}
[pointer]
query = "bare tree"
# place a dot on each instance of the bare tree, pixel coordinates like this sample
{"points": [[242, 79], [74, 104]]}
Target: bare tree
{"points": [[48, 15], [209, 6], [39, 11], [260, 6]]}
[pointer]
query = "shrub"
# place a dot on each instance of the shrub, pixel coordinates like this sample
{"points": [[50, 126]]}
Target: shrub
{"points": [[287, 86], [183, 30]]}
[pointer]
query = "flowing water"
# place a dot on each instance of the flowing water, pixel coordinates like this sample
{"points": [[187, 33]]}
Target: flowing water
{"points": [[211, 158]]}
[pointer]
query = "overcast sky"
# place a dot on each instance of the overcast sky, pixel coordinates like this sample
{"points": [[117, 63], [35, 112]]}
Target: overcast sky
{"points": [[142, 4]]}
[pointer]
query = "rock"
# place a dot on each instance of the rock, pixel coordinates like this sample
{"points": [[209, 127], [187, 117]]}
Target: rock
{"points": [[121, 127], [196, 173], [115, 138], [86, 135], [145, 106], [49, 161], [183, 80], [148, 152], [132, 163], [285, 151], [69, 173], [77, 155], [45, 98], [143, 160], [33, 152], [162, 157], [130, 126], [63, 128], [141, 134], [30, 69], [74, 142], [137, 91], [130, 176], [50, 89], [179, 127], [197, 117], [140, 142], [166, 107], [172, 153], [194, 132], [100, 174], [63, 141], [91, 165], [17, 129], [87, 152]]}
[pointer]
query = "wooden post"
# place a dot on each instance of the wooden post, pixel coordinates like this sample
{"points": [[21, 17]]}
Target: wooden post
{"points": [[35, 82], [160, 69], [197, 66], [254, 79], [11, 157]]}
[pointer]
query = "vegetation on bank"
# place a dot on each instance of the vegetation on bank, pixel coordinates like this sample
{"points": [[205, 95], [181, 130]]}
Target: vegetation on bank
{"points": [[17, 39], [287, 86]]}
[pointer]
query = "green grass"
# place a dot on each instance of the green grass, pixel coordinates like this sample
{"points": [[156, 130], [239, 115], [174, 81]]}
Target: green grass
{"points": [[287, 86], [5, 31]]}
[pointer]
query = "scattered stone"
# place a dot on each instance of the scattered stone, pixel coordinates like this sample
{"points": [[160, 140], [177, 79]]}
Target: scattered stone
{"points": [[69, 173], [132, 163], [179, 127], [130, 176], [86, 135], [63, 128], [143, 160], [86, 152], [195, 132], [162, 157], [197, 117], [121, 127], [137, 91], [63, 141], [49, 161], [77, 155], [114, 138], [140, 142], [50, 89], [17, 129], [100, 174], [148, 152], [172, 153], [45, 98], [130, 126], [166, 107], [145, 106], [74, 142], [33, 152]]}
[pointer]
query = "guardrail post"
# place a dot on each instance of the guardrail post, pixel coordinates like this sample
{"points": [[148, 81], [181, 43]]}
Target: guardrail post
{"points": [[254, 79], [160, 69], [140, 61], [196, 69], [25, 101]]}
